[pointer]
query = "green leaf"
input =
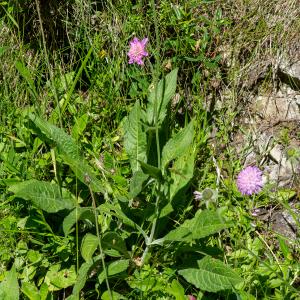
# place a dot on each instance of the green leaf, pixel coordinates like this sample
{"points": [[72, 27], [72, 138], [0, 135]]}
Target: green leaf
{"points": [[30, 290], [44, 195], [115, 296], [78, 213], [212, 275], [136, 183], [178, 144], [182, 171], [9, 287], [203, 224], [57, 279], [69, 152], [135, 140], [165, 91], [79, 126], [44, 291], [114, 268], [81, 278], [114, 210], [62, 82], [27, 75], [242, 295], [176, 290], [3, 50], [88, 246], [154, 172], [111, 240]]}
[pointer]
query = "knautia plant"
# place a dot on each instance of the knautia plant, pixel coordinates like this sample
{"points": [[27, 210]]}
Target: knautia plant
{"points": [[249, 180], [126, 232]]}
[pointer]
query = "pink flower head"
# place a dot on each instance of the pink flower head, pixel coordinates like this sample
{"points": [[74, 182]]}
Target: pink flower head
{"points": [[137, 51], [249, 181], [191, 297]]}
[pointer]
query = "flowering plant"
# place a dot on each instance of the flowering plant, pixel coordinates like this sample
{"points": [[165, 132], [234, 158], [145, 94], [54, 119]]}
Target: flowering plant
{"points": [[137, 51], [249, 180]]}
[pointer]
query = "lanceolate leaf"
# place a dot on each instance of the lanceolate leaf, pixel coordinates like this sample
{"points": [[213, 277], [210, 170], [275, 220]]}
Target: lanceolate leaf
{"points": [[111, 240], [154, 172], [165, 91], [182, 172], [69, 152], [203, 224], [114, 268], [114, 210], [78, 213], [211, 275], [30, 290], [9, 287], [81, 278], [178, 144], [135, 138], [88, 246], [44, 195], [136, 183]]}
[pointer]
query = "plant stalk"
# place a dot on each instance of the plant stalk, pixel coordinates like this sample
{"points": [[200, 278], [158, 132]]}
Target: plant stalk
{"points": [[155, 81], [99, 242]]}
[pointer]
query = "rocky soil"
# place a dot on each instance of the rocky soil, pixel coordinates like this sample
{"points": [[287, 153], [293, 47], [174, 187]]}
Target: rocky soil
{"points": [[270, 138]]}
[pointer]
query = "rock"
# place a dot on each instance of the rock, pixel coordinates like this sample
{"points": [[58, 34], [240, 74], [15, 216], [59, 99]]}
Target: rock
{"points": [[278, 107], [289, 73], [281, 221]]}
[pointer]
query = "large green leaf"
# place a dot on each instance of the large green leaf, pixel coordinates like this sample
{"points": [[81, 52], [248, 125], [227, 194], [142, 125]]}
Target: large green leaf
{"points": [[9, 287], [114, 268], [176, 290], [57, 278], [182, 171], [114, 210], [162, 95], [115, 296], [111, 240], [136, 183], [204, 223], [30, 290], [154, 172], [135, 140], [81, 278], [69, 152], [212, 275], [89, 245], [44, 195], [178, 144], [78, 213]]}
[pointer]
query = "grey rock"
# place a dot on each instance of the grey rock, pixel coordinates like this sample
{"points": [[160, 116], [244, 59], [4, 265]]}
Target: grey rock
{"points": [[289, 73]]}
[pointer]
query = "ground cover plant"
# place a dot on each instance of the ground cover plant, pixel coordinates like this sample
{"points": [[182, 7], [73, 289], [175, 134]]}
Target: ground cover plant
{"points": [[120, 177]]}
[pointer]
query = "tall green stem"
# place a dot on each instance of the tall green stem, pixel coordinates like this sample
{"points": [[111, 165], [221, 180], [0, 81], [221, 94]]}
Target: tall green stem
{"points": [[155, 81], [99, 242], [156, 77]]}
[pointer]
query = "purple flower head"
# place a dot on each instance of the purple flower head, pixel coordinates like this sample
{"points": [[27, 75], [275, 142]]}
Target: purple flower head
{"points": [[137, 51], [249, 180]]}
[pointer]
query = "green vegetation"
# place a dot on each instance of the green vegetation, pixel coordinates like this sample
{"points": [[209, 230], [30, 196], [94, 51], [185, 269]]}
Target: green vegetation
{"points": [[100, 159]]}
